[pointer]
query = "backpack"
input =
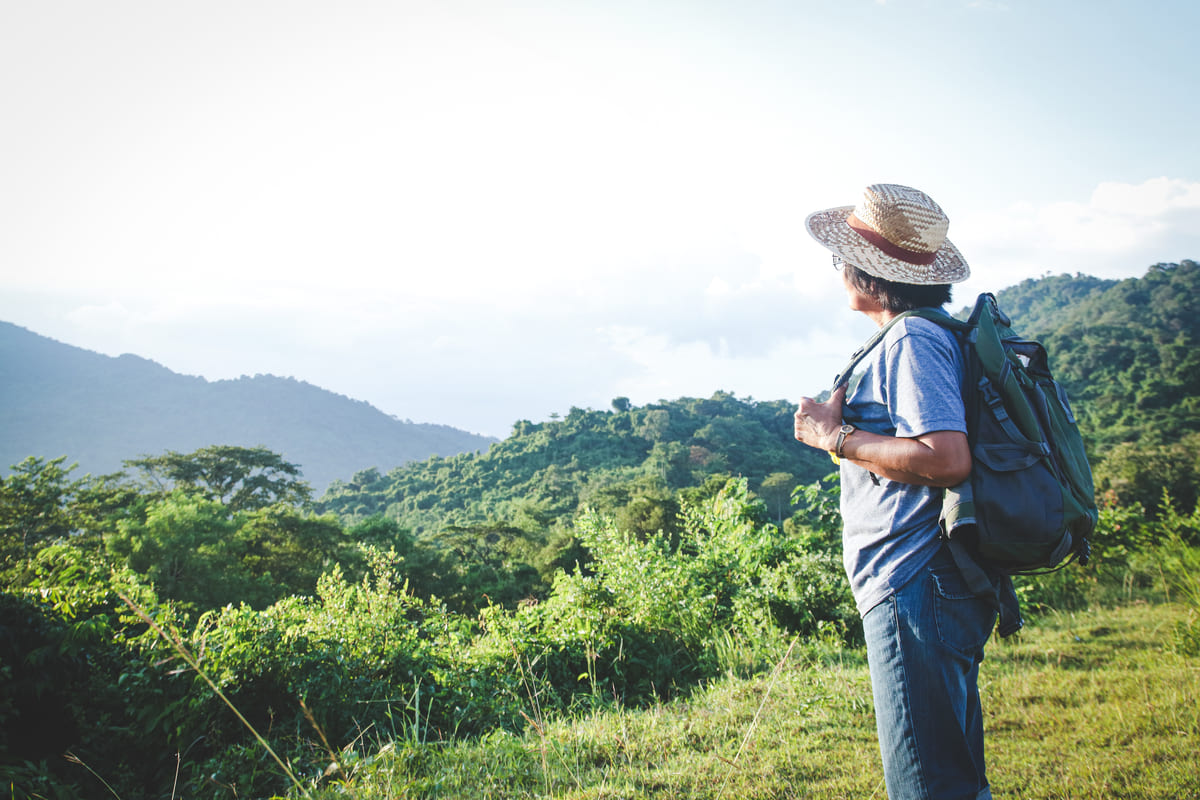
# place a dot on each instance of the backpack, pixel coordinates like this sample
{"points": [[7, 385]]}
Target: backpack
{"points": [[1029, 504]]}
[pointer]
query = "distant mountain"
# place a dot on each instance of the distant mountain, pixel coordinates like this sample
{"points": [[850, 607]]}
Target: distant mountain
{"points": [[97, 410]]}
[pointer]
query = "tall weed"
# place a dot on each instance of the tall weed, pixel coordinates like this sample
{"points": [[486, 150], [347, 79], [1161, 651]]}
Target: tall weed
{"points": [[1180, 566]]}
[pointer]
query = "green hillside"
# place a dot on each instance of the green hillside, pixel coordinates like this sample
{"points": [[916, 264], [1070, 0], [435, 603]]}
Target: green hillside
{"points": [[1125, 350], [544, 473], [1129, 355]]}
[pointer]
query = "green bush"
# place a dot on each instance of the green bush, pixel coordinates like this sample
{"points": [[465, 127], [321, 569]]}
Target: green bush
{"points": [[358, 664], [651, 615]]}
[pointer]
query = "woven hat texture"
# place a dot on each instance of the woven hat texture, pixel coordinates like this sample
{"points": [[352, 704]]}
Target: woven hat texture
{"points": [[896, 233]]}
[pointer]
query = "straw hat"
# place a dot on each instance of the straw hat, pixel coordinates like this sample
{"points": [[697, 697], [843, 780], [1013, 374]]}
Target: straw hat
{"points": [[896, 233]]}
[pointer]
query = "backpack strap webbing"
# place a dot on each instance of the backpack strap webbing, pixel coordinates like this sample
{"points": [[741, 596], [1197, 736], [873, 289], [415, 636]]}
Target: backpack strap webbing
{"points": [[931, 314], [997, 590]]}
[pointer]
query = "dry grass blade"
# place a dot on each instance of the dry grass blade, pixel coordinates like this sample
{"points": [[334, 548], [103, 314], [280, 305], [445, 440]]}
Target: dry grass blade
{"points": [[74, 759], [186, 655], [757, 715]]}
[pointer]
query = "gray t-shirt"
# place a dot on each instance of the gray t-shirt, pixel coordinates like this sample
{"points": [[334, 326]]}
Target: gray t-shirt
{"points": [[910, 387]]}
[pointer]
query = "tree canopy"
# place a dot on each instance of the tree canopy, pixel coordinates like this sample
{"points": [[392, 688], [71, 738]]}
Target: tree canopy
{"points": [[544, 474], [241, 478]]}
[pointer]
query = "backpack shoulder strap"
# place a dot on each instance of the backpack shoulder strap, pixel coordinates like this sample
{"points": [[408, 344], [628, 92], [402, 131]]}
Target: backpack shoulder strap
{"points": [[931, 314], [866, 348]]}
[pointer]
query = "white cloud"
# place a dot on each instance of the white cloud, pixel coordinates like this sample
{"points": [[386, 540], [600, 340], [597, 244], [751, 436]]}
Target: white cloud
{"points": [[102, 319], [788, 369], [1153, 198], [1118, 231]]}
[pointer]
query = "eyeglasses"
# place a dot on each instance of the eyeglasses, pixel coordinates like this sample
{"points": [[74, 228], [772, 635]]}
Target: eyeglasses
{"points": [[838, 262]]}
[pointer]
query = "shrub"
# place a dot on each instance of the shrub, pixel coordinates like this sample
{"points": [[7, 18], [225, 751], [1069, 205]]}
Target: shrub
{"points": [[316, 675], [654, 614]]}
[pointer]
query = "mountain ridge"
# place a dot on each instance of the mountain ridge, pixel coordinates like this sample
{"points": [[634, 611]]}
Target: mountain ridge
{"points": [[98, 410]]}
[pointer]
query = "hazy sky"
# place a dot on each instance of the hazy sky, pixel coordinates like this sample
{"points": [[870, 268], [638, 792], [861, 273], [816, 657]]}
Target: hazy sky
{"points": [[471, 212]]}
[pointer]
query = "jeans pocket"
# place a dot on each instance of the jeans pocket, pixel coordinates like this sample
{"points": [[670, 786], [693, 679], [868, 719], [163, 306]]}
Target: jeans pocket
{"points": [[964, 622]]}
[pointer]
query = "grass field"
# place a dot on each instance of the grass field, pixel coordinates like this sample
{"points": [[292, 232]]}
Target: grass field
{"points": [[1096, 704]]}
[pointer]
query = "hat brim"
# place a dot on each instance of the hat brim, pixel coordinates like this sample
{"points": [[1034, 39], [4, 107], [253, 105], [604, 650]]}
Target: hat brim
{"points": [[830, 229]]}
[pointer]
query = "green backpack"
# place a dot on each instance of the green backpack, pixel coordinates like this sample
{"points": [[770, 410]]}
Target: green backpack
{"points": [[1029, 504]]}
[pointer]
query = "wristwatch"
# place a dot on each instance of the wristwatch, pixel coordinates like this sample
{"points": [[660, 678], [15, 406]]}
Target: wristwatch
{"points": [[843, 432]]}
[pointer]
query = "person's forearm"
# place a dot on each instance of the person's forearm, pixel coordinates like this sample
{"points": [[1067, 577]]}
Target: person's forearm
{"points": [[936, 459], [940, 458]]}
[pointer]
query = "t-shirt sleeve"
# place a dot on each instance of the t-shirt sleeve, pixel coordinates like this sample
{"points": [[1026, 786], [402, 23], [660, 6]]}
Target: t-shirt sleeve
{"points": [[924, 378]]}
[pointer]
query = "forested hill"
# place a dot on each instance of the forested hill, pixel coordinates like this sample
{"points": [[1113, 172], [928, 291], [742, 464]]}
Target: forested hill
{"points": [[1126, 350], [97, 410], [630, 461]]}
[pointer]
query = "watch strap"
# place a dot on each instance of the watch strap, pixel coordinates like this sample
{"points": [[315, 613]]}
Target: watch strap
{"points": [[843, 432]]}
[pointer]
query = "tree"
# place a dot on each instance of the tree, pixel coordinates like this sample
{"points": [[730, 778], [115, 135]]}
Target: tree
{"points": [[188, 548], [288, 549], [1135, 473], [33, 504], [655, 424], [241, 478], [493, 564], [776, 491], [196, 552]]}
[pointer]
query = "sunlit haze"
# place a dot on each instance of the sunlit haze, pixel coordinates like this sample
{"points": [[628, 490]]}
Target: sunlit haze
{"points": [[471, 213]]}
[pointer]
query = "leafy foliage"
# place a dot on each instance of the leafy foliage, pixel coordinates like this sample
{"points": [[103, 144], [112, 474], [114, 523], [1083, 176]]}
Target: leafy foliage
{"points": [[33, 504], [632, 464], [198, 553], [240, 478], [653, 614], [623, 556], [1137, 474], [366, 660]]}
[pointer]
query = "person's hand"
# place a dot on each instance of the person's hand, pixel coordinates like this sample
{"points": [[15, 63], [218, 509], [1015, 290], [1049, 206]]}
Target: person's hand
{"points": [[817, 424]]}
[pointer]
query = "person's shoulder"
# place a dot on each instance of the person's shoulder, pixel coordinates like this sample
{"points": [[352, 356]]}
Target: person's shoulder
{"points": [[917, 326], [922, 339]]}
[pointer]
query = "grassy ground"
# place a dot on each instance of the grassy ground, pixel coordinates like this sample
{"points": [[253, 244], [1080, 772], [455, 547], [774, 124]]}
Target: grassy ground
{"points": [[1096, 706], [1088, 705]]}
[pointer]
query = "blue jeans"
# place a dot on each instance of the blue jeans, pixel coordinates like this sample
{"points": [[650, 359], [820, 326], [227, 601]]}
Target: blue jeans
{"points": [[924, 646]]}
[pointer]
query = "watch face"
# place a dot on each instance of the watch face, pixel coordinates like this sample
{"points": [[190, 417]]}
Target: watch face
{"points": [[848, 429]]}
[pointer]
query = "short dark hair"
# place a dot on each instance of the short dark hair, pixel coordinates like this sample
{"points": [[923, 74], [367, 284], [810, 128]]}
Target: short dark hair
{"points": [[897, 297]]}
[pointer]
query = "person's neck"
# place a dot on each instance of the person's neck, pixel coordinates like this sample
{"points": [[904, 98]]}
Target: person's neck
{"points": [[880, 316]]}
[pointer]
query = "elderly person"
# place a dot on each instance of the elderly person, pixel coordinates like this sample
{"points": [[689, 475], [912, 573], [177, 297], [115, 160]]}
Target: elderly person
{"points": [[900, 437]]}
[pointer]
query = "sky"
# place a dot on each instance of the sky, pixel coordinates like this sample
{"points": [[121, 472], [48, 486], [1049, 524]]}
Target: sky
{"points": [[474, 212]]}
